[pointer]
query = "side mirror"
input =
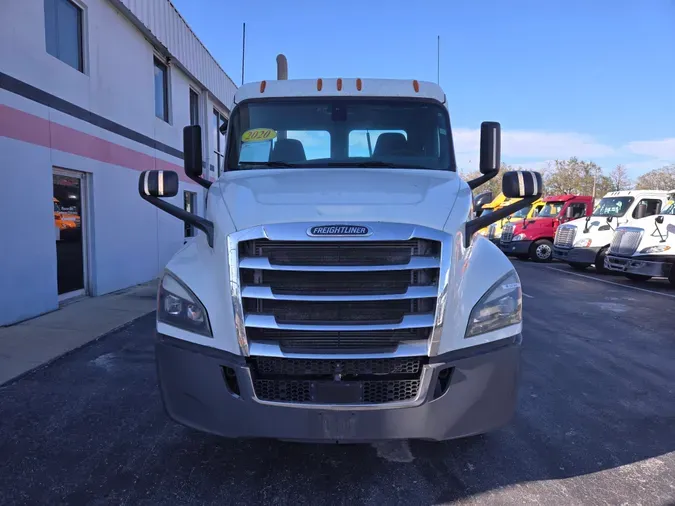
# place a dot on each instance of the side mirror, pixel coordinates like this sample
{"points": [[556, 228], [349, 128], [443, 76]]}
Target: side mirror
{"points": [[659, 219], [490, 146], [522, 184], [490, 152], [192, 154], [569, 213], [641, 210], [154, 184], [158, 183], [223, 127], [480, 201]]}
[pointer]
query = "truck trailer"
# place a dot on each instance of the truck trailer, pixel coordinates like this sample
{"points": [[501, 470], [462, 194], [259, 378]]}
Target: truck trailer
{"points": [[337, 290]]}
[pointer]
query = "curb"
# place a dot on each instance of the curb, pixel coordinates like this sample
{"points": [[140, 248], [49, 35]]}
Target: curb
{"points": [[49, 362]]}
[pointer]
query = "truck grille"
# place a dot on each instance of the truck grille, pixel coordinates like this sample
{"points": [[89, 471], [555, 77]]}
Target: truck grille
{"points": [[564, 236], [492, 232], [367, 381], [339, 295], [625, 241], [507, 233]]}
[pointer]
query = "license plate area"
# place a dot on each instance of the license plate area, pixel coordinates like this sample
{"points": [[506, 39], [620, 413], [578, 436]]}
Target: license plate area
{"points": [[336, 392]]}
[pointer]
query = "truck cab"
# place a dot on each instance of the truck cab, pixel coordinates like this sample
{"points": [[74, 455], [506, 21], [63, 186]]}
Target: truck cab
{"points": [[584, 242], [533, 238], [495, 230], [646, 248], [337, 290]]}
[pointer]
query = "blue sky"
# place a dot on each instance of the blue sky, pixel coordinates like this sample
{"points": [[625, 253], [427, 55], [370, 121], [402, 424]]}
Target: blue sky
{"points": [[587, 78]]}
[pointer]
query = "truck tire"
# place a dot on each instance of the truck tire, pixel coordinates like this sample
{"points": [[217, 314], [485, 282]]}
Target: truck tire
{"points": [[600, 262], [637, 277], [541, 251], [579, 267]]}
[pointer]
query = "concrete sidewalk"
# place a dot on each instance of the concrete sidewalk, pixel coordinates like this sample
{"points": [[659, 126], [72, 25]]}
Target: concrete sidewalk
{"points": [[35, 342]]}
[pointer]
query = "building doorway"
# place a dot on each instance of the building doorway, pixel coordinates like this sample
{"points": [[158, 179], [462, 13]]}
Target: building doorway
{"points": [[70, 231]]}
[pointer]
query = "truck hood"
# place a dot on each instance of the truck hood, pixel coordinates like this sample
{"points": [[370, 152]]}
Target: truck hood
{"points": [[421, 197], [532, 224]]}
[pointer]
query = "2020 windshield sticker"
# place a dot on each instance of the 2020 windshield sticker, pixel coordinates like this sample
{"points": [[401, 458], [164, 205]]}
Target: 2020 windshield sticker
{"points": [[258, 135]]}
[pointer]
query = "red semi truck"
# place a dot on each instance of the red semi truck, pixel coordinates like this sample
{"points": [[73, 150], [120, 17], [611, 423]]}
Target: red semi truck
{"points": [[533, 238]]}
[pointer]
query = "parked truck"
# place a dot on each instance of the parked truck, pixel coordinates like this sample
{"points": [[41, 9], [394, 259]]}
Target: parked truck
{"points": [[533, 238], [646, 248], [584, 242], [336, 293], [495, 230]]}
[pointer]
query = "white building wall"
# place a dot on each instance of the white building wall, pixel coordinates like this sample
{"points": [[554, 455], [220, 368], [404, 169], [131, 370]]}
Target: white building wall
{"points": [[129, 240]]}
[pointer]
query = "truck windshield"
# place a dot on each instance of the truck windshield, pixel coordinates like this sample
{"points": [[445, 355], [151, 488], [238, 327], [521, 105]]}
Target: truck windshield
{"points": [[550, 210], [522, 213], [330, 132], [613, 206], [670, 209]]}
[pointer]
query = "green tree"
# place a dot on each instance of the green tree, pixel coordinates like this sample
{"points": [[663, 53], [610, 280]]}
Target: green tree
{"points": [[576, 177], [657, 179]]}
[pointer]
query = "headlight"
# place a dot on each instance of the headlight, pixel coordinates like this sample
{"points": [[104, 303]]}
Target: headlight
{"points": [[518, 237], [179, 307], [583, 243], [655, 249], [501, 306]]}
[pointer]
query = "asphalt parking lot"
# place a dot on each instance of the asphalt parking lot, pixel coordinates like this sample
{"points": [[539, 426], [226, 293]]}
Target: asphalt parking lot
{"points": [[595, 423]]}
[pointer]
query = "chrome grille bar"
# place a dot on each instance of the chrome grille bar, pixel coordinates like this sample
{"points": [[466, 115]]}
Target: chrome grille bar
{"points": [[263, 263], [266, 292], [415, 321]]}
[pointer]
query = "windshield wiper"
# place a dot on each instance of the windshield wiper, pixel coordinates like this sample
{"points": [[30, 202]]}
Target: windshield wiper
{"points": [[376, 164], [249, 165]]}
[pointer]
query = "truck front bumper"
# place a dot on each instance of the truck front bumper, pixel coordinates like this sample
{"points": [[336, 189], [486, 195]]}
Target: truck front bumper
{"points": [[645, 266], [516, 247], [480, 396], [576, 255]]}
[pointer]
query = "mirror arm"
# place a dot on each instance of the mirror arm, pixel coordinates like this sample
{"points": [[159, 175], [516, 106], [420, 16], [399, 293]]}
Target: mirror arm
{"points": [[204, 183], [476, 224], [475, 183], [205, 226]]}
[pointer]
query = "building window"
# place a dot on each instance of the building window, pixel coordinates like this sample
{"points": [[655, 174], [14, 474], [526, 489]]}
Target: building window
{"points": [[63, 32], [190, 205], [218, 140], [161, 91], [194, 107]]}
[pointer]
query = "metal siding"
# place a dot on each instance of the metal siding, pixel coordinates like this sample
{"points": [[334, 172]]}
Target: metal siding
{"points": [[162, 19]]}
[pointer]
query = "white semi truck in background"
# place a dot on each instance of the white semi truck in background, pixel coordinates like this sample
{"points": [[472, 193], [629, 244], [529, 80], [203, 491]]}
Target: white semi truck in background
{"points": [[585, 241], [646, 249], [338, 291]]}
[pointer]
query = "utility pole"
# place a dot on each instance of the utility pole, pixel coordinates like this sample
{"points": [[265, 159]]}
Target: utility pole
{"points": [[438, 60], [243, 52]]}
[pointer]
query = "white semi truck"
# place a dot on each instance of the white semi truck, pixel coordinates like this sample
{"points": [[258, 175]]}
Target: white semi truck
{"points": [[338, 291], [646, 249], [585, 241]]}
